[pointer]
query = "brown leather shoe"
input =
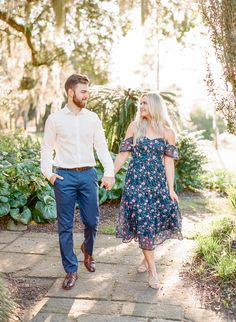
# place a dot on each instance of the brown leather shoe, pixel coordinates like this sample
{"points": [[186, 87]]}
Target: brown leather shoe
{"points": [[69, 280], [89, 262]]}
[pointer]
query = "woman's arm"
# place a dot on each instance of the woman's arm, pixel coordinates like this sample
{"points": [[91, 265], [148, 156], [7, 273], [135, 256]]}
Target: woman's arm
{"points": [[120, 160], [169, 166], [123, 156]]}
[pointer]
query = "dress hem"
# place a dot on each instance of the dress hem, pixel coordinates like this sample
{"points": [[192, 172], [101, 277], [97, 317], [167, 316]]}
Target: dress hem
{"points": [[177, 236]]}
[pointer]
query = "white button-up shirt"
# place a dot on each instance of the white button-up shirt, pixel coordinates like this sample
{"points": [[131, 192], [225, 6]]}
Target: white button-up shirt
{"points": [[73, 137]]}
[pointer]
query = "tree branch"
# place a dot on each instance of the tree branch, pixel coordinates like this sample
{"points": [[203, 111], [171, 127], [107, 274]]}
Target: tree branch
{"points": [[11, 22], [41, 13], [27, 32]]}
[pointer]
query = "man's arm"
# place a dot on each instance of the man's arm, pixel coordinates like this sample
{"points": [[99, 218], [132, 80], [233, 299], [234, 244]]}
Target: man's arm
{"points": [[104, 156], [47, 147]]}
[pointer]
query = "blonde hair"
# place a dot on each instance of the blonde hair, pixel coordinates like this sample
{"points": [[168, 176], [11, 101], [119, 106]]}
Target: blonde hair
{"points": [[159, 116]]}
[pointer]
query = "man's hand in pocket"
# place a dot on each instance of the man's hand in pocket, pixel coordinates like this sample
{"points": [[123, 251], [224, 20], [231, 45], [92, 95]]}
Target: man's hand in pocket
{"points": [[53, 178]]}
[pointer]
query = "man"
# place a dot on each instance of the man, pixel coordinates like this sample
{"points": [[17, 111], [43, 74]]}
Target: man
{"points": [[73, 132]]}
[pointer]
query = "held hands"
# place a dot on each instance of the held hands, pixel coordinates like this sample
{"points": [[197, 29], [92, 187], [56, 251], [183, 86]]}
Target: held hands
{"points": [[53, 178], [173, 196], [107, 182]]}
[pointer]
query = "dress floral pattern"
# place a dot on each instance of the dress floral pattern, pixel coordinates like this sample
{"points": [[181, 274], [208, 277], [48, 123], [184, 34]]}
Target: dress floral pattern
{"points": [[147, 214]]}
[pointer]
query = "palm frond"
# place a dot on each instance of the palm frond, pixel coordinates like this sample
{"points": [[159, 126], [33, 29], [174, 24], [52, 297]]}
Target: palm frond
{"points": [[117, 108]]}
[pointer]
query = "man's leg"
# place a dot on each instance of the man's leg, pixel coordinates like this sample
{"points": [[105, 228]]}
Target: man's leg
{"points": [[65, 193], [89, 210]]}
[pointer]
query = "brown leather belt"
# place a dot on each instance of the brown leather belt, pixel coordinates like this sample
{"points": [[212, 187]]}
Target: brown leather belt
{"points": [[76, 169]]}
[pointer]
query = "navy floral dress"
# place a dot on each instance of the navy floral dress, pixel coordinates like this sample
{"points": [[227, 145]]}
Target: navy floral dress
{"points": [[147, 214]]}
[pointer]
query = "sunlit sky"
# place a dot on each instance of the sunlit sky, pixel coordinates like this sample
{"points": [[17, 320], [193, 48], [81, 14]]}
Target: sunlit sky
{"points": [[180, 68]]}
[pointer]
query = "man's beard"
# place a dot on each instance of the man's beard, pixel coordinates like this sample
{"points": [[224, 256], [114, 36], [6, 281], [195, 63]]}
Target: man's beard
{"points": [[78, 103]]}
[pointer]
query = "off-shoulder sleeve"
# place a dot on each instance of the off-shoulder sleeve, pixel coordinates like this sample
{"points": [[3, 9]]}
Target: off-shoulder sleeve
{"points": [[127, 145], [171, 151]]}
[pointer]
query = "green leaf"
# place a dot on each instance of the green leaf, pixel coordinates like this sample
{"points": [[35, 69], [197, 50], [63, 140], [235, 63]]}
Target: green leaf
{"points": [[14, 212], [48, 210], [24, 217], [114, 194], [103, 195], [18, 199], [4, 209], [4, 188], [48, 199], [47, 191], [3, 199], [37, 216]]}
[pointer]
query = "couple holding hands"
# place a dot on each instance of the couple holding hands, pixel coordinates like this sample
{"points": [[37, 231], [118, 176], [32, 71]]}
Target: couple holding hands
{"points": [[149, 211]]}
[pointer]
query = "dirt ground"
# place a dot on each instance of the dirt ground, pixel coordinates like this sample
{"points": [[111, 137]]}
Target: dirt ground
{"points": [[108, 214], [26, 292]]}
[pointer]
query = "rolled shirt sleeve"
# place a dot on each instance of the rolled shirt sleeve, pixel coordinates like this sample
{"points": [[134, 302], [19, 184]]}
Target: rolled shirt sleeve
{"points": [[101, 148], [47, 148]]}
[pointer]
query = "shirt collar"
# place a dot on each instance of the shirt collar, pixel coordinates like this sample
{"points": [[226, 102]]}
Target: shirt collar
{"points": [[68, 111]]}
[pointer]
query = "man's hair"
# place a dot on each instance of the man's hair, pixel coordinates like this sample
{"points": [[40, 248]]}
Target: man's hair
{"points": [[75, 79]]}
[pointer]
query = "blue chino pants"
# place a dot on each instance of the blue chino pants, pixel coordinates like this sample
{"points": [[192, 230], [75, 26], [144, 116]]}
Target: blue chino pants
{"points": [[80, 186]]}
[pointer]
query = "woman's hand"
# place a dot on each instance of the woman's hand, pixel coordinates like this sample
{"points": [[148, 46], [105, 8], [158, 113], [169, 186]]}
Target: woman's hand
{"points": [[173, 196], [107, 182]]}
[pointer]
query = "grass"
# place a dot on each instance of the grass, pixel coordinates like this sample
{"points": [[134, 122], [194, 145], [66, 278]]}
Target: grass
{"points": [[208, 248], [227, 267], [193, 203], [231, 192], [219, 180], [216, 260], [214, 248], [107, 230], [206, 202]]}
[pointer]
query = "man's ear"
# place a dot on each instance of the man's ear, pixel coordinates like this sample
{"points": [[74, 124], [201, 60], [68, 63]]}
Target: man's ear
{"points": [[70, 92]]}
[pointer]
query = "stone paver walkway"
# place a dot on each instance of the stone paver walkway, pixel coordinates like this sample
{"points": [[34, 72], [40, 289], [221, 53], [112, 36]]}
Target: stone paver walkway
{"points": [[115, 292]]}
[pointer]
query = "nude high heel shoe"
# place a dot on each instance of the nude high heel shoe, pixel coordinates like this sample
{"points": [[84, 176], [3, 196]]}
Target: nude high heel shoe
{"points": [[152, 280], [142, 267]]}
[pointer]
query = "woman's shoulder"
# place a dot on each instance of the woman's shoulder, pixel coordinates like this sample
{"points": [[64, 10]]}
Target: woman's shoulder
{"points": [[133, 125], [170, 135], [131, 130]]}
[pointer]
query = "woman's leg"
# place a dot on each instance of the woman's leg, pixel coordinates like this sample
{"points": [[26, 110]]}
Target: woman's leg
{"points": [[152, 273], [143, 267]]}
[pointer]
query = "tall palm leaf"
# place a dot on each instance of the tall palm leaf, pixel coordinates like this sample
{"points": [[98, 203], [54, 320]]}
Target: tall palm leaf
{"points": [[117, 108]]}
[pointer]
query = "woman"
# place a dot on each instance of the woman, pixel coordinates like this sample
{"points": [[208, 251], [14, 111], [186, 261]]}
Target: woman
{"points": [[149, 211]]}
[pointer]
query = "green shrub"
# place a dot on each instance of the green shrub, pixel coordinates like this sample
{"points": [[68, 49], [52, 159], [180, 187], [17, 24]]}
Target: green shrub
{"points": [[189, 167], [231, 192], [7, 305], [226, 268], [214, 263], [221, 229], [204, 122], [117, 189], [218, 180], [215, 252], [24, 194], [208, 248]]}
